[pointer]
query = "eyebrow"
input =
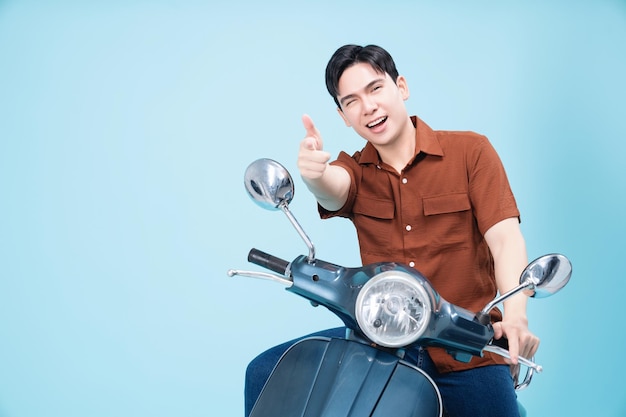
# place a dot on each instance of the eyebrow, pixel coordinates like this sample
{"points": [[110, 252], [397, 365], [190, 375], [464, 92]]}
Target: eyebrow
{"points": [[342, 100]]}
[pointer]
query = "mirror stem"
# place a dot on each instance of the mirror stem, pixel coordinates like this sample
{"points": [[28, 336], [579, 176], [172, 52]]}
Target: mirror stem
{"points": [[285, 208], [523, 286]]}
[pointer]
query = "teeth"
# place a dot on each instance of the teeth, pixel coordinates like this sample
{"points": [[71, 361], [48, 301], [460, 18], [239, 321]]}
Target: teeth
{"points": [[376, 122]]}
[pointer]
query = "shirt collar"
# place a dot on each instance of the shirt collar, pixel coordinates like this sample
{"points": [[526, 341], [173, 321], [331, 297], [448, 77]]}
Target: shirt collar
{"points": [[425, 141]]}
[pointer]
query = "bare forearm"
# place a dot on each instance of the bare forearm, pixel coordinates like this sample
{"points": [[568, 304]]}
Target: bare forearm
{"points": [[508, 249], [330, 189]]}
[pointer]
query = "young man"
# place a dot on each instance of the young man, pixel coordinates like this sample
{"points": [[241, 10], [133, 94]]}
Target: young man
{"points": [[436, 200]]}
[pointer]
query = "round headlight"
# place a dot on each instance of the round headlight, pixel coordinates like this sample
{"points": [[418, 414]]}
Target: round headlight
{"points": [[393, 309]]}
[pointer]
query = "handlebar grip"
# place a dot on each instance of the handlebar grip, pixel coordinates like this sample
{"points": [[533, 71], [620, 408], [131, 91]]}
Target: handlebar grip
{"points": [[503, 342], [268, 261]]}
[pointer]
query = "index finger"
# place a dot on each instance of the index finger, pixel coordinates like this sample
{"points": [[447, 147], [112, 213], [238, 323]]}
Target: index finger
{"points": [[513, 347], [311, 131]]}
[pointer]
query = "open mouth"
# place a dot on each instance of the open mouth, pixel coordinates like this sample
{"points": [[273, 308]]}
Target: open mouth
{"points": [[377, 122]]}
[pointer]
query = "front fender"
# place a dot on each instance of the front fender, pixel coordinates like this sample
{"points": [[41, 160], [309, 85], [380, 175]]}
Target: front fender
{"points": [[322, 377]]}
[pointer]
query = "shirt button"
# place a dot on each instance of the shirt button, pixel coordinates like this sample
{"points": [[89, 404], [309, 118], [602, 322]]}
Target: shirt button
{"points": [[404, 180], [411, 264], [408, 227]]}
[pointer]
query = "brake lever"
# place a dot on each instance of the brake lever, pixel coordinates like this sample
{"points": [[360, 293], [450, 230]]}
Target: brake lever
{"points": [[505, 353]]}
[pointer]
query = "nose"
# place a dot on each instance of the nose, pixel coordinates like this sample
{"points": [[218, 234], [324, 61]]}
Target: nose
{"points": [[369, 105]]}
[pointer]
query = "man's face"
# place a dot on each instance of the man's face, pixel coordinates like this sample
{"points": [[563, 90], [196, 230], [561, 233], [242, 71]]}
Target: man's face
{"points": [[372, 104]]}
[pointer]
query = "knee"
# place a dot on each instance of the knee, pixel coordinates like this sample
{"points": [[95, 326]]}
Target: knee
{"points": [[257, 367], [261, 366]]}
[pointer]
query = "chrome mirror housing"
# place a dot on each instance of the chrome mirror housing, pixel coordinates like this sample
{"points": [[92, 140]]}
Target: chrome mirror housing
{"points": [[269, 184], [546, 275]]}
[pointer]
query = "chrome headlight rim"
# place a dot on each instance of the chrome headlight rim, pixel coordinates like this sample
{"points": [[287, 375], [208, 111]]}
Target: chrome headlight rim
{"points": [[415, 286]]}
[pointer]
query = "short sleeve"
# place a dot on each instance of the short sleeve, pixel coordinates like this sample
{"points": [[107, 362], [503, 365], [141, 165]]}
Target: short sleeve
{"points": [[490, 192]]}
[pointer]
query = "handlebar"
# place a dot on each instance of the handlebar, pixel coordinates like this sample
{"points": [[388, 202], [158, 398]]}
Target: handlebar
{"points": [[271, 262], [283, 268]]}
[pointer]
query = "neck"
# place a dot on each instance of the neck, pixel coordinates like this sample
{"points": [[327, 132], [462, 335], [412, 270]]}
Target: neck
{"points": [[399, 152]]}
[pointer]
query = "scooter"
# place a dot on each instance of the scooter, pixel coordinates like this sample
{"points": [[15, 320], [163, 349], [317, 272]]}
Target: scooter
{"points": [[386, 308]]}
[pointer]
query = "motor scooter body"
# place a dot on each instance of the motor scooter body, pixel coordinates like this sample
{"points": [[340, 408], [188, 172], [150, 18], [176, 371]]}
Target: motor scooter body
{"points": [[387, 307], [331, 377]]}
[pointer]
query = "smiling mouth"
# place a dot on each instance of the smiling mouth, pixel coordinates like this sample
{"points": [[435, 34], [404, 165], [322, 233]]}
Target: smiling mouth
{"points": [[377, 122]]}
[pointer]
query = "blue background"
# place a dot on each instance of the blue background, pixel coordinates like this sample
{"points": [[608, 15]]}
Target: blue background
{"points": [[125, 129]]}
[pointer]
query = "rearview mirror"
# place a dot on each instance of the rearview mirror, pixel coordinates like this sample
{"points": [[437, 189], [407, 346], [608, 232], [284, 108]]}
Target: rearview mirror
{"points": [[269, 184], [546, 275]]}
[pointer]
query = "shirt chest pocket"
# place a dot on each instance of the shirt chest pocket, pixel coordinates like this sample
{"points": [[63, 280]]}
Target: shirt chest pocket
{"points": [[449, 220], [374, 207], [449, 203]]}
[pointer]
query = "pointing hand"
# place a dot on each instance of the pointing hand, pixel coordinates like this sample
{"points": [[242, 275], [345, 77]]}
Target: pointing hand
{"points": [[312, 160]]}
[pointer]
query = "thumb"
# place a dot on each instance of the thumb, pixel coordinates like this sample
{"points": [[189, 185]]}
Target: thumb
{"points": [[312, 132]]}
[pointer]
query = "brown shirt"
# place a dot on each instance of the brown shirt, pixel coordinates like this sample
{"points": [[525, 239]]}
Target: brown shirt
{"points": [[433, 216]]}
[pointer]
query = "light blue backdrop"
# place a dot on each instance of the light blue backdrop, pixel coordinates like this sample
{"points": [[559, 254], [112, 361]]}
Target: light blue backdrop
{"points": [[125, 129]]}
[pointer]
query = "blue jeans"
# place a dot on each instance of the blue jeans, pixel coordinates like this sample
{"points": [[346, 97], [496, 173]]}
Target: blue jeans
{"points": [[480, 392]]}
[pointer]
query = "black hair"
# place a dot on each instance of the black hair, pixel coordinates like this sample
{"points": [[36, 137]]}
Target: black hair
{"points": [[349, 55]]}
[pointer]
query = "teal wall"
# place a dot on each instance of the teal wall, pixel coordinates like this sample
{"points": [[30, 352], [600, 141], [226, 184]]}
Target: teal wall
{"points": [[125, 129]]}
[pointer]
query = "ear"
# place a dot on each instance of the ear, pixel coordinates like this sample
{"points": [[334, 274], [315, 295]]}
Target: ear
{"points": [[403, 87], [343, 116]]}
